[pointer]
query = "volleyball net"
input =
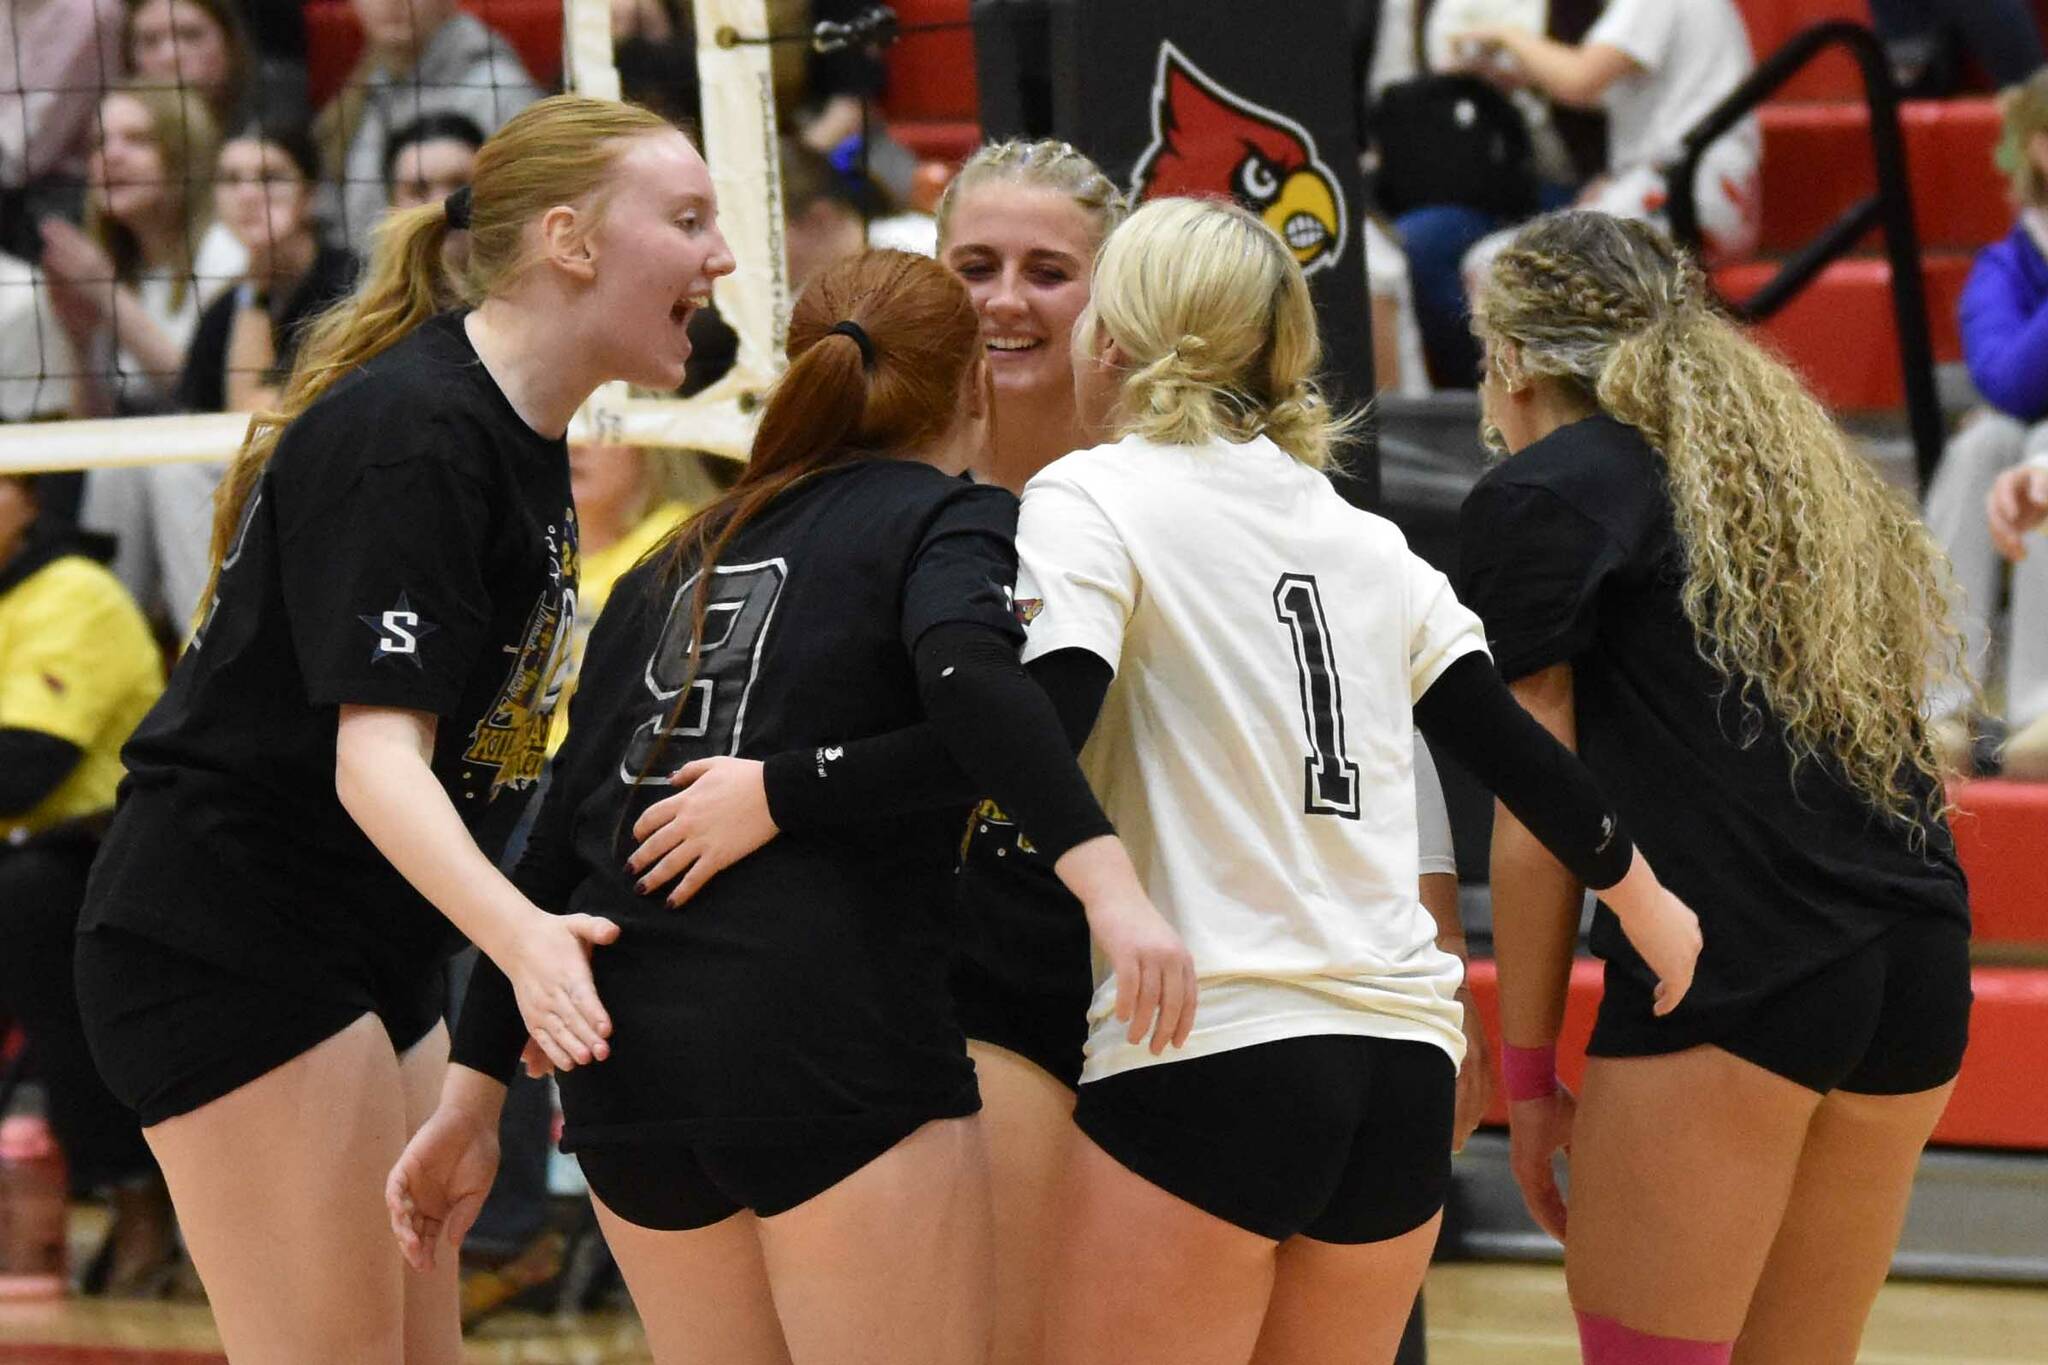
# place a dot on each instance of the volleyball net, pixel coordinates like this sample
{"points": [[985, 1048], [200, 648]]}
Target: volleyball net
{"points": [[65, 365]]}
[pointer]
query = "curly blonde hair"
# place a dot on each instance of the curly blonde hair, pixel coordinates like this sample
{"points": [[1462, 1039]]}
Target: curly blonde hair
{"points": [[1811, 587]]}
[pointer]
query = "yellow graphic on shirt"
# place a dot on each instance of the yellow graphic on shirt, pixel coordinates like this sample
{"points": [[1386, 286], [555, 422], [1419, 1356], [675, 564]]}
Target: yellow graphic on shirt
{"points": [[512, 738], [990, 817]]}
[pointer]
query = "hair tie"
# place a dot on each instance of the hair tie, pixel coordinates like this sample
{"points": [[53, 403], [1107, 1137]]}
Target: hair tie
{"points": [[457, 206], [860, 337]]}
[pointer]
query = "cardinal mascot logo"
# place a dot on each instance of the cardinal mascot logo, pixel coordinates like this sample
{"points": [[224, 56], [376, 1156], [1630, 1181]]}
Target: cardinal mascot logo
{"points": [[1208, 142]]}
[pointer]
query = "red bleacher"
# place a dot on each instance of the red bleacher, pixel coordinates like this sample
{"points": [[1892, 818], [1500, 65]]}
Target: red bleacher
{"points": [[2002, 839], [1817, 161], [933, 100], [1839, 331]]}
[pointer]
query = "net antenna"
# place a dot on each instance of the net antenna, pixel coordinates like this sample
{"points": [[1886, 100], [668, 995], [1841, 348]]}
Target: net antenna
{"points": [[739, 142]]}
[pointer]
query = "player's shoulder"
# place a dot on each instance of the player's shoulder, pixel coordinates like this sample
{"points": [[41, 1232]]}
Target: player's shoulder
{"points": [[1112, 464], [912, 492], [1599, 468], [427, 393]]}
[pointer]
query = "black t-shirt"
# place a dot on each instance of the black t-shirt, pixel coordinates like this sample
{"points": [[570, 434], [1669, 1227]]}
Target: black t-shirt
{"points": [[1569, 555], [818, 964], [411, 544], [203, 383]]}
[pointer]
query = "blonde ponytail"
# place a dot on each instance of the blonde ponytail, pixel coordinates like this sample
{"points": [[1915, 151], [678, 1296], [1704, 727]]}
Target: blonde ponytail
{"points": [[559, 150], [1212, 311]]}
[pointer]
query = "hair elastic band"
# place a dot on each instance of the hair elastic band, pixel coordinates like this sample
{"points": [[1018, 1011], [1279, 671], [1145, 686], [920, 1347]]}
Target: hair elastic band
{"points": [[457, 206], [860, 339]]}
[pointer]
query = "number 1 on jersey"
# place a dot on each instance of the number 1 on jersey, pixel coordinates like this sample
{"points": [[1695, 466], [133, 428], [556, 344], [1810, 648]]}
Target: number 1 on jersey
{"points": [[1329, 779]]}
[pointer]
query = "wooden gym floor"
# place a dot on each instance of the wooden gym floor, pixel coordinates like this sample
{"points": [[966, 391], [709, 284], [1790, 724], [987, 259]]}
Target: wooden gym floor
{"points": [[1479, 1314]]}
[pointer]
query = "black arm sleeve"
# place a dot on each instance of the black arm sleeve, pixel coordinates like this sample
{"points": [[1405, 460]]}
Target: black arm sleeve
{"points": [[1469, 714], [489, 1034], [32, 765], [913, 769], [1005, 732]]}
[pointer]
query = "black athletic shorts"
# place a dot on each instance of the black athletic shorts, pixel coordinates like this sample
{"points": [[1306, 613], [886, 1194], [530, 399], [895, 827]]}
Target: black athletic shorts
{"points": [[1891, 1018], [1022, 978], [677, 1186], [170, 1032], [1336, 1138], [1045, 1027]]}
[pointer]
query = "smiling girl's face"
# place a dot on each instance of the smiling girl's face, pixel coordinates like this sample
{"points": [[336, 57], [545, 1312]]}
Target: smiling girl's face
{"points": [[1026, 255]]}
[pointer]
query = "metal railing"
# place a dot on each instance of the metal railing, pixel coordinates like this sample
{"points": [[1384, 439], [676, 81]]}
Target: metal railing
{"points": [[1889, 208]]}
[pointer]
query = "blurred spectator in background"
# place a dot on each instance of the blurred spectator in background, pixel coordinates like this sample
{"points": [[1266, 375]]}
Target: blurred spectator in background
{"points": [[36, 361], [430, 158], [77, 670], [2004, 323], [1423, 121], [1928, 39], [838, 82], [627, 499], [279, 30], [822, 223], [419, 57], [129, 290], [129, 287], [55, 55], [202, 44], [823, 212], [1568, 142], [654, 46], [426, 161], [1658, 68], [247, 338], [838, 85]]}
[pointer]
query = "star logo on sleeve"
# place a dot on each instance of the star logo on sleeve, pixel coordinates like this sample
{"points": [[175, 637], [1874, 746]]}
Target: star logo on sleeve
{"points": [[399, 632]]}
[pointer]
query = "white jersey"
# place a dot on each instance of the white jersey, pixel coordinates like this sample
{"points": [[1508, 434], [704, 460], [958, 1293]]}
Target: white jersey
{"points": [[1256, 748]]}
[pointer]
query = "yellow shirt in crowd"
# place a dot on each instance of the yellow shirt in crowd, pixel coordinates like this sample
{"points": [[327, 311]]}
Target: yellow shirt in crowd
{"points": [[76, 661], [597, 572]]}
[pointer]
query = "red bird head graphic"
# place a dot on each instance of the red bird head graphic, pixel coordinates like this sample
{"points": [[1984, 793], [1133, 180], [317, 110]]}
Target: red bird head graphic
{"points": [[1207, 142]]}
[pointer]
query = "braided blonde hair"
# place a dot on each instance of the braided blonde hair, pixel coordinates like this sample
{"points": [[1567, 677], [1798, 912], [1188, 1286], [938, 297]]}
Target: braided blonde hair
{"points": [[1047, 165], [1811, 587], [1211, 309]]}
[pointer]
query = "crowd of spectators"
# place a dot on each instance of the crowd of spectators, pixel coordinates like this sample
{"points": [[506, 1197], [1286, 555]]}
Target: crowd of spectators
{"points": [[173, 213], [174, 210]]}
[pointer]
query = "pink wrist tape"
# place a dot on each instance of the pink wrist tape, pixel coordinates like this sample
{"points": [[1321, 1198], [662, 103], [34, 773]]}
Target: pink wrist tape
{"points": [[1529, 1073]]}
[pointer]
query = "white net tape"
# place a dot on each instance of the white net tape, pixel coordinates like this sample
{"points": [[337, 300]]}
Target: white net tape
{"points": [[739, 134]]}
